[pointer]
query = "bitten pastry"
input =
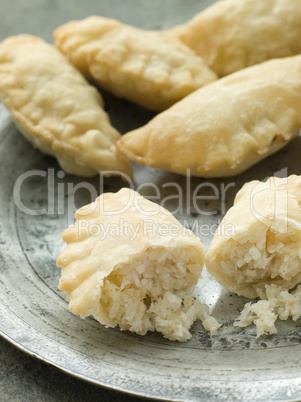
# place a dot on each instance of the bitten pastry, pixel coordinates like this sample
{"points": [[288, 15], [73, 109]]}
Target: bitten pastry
{"points": [[56, 109], [226, 127], [234, 34], [144, 67], [264, 246], [129, 262]]}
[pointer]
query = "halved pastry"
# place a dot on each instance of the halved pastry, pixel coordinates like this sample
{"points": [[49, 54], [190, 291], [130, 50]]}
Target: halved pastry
{"points": [[258, 243], [56, 109], [234, 34], [226, 127], [130, 263], [144, 67]]}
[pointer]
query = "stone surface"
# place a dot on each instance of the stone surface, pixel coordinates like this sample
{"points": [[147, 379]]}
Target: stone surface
{"points": [[24, 378]]}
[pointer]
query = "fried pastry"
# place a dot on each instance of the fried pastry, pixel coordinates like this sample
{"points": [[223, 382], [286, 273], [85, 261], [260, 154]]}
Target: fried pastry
{"points": [[264, 246], [226, 127], [234, 34], [130, 263], [144, 67], [56, 109]]}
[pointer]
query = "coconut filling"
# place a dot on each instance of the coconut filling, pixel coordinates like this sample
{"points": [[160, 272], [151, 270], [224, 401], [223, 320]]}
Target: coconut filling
{"points": [[280, 304], [272, 268], [154, 292], [272, 259]]}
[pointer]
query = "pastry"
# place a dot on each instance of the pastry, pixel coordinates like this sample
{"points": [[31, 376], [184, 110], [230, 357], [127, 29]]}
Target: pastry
{"points": [[56, 109], [234, 34], [144, 67], [130, 263], [258, 243], [225, 127]]}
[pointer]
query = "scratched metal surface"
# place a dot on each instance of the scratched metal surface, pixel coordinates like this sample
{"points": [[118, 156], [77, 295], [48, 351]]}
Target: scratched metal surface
{"points": [[234, 365]]}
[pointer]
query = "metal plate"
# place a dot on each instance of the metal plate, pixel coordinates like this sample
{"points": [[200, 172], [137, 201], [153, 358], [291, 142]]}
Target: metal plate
{"points": [[234, 365]]}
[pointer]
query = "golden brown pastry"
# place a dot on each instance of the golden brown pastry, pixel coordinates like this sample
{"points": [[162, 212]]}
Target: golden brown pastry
{"points": [[234, 34], [56, 109], [129, 262], [144, 67], [226, 127], [258, 242]]}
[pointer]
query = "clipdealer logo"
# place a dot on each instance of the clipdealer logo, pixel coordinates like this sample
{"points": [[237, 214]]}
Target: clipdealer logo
{"points": [[172, 198], [151, 227]]}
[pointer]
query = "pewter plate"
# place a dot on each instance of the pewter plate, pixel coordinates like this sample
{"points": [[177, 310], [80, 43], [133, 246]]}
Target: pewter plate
{"points": [[37, 203]]}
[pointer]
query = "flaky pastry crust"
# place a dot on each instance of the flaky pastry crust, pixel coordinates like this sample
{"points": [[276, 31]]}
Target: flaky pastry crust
{"points": [[226, 127], [144, 67], [129, 262], [235, 34], [56, 109], [263, 247]]}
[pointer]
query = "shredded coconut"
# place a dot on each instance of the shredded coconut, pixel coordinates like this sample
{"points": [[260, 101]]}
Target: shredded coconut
{"points": [[279, 303]]}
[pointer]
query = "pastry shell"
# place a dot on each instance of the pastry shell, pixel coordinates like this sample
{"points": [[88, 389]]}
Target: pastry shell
{"points": [[144, 67], [56, 109], [226, 127]]}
